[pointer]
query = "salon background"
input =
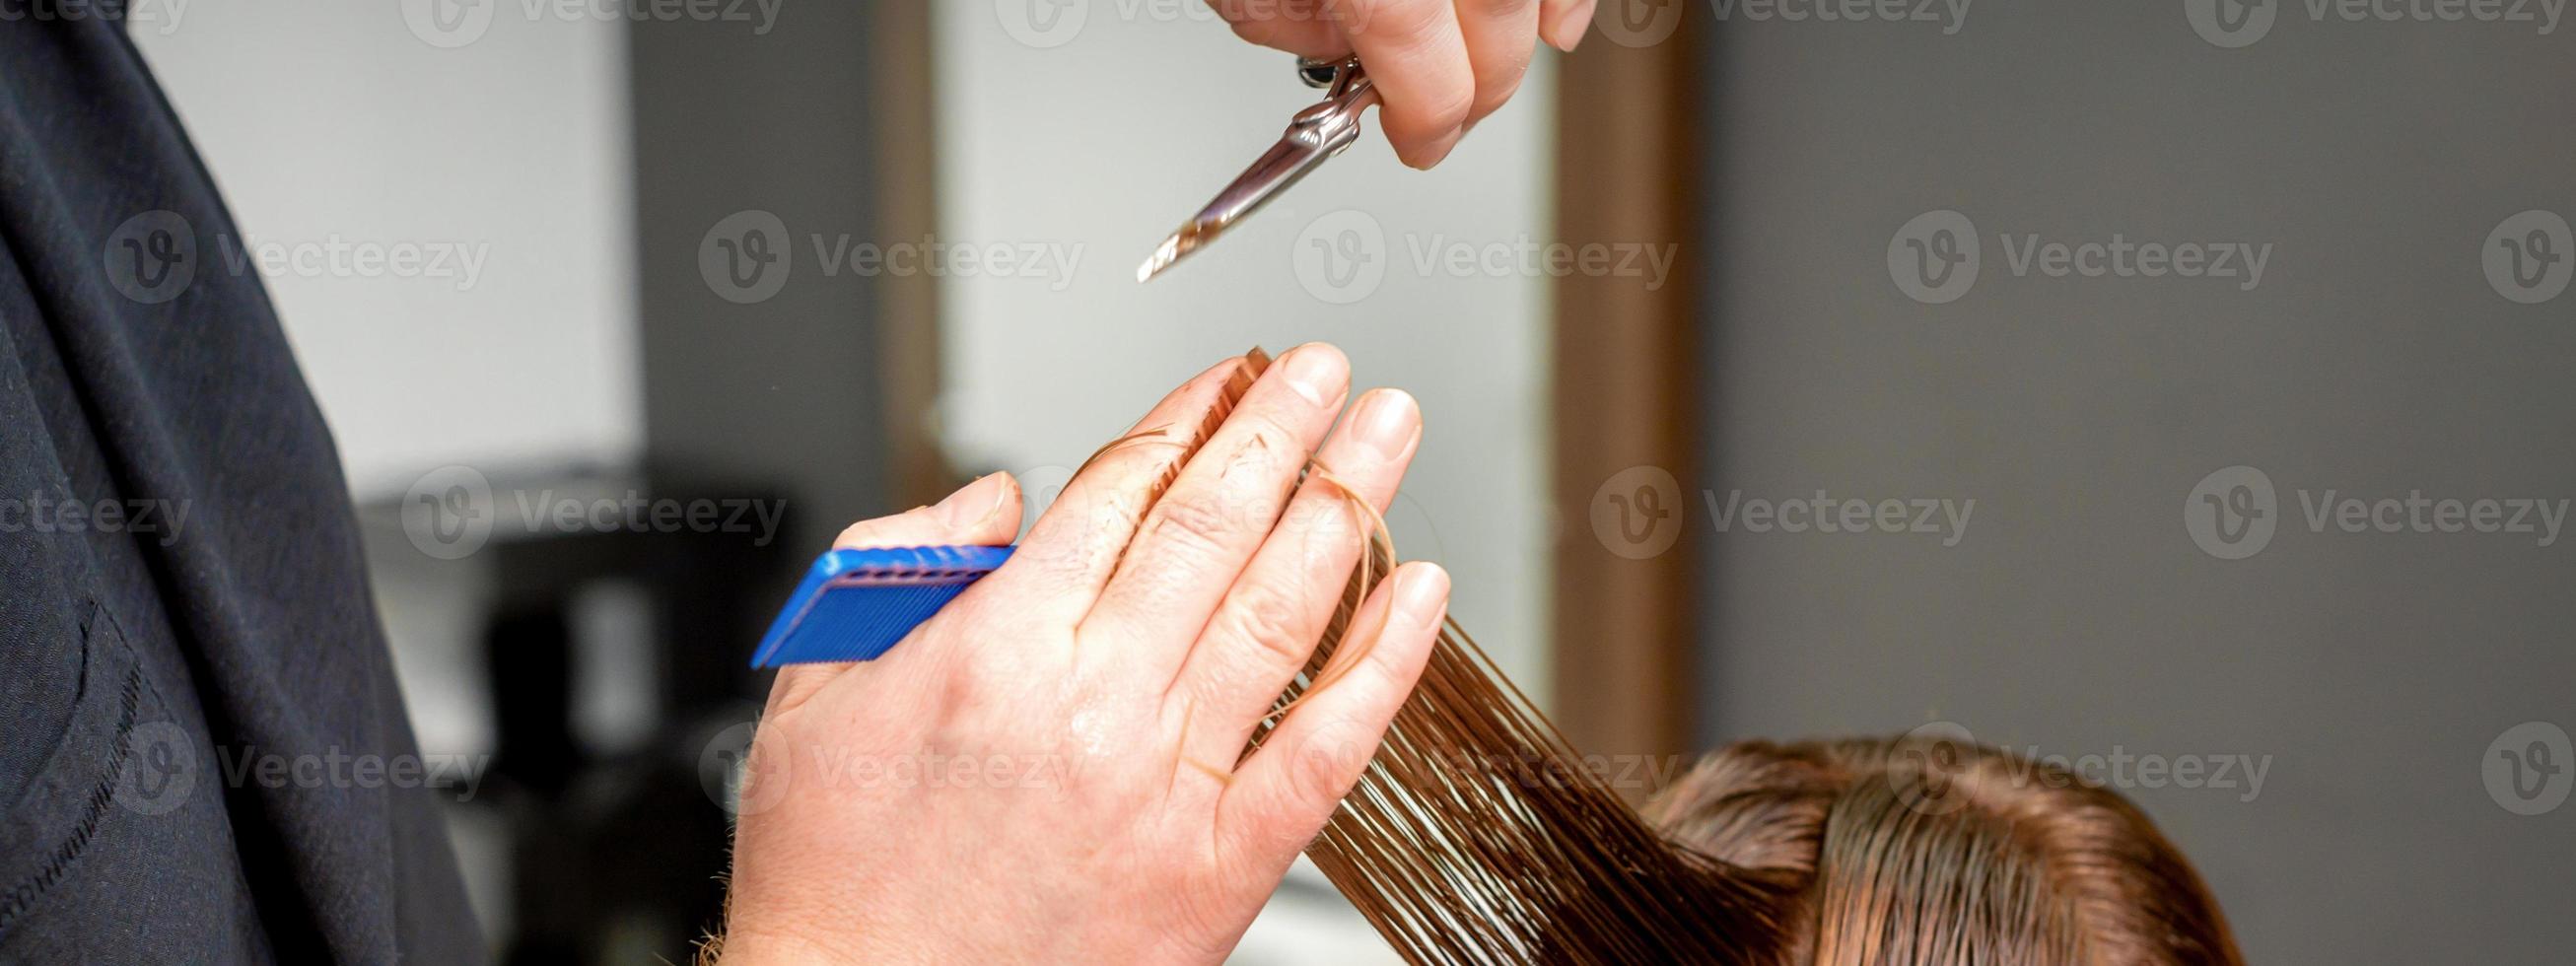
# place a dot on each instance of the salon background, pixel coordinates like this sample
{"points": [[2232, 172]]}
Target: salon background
{"points": [[2176, 388]]}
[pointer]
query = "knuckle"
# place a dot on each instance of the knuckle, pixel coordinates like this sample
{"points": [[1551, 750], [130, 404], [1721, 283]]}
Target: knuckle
{"points": [[1498, 11], [1453, 105], [1492, 95], [1406, 22], [1324, 768], [1273, 432], [1275, 622], [1193, 524]]}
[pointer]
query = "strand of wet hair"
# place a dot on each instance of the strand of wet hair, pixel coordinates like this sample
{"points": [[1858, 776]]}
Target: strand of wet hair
{"points": [[1478, 835]]}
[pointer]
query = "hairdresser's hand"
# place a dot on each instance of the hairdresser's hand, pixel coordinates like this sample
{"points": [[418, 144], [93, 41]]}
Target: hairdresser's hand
{"points": [[1441, 65], [1046, 771]]}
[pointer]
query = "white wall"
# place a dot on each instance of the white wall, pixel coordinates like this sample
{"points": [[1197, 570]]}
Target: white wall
{"points": [[1105, 134], [342, 123]]}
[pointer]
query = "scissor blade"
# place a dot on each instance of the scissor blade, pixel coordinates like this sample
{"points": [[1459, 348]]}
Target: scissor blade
{"points": [[1283, 165], [1173, 249]]}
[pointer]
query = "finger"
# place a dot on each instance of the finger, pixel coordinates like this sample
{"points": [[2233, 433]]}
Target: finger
{"points": [[1417, 58], [1562, 23], [1501, 36], [1271, 619], [1072, 549], [1283, 794], [1203, 531], [1300, 27], [982, 513]]}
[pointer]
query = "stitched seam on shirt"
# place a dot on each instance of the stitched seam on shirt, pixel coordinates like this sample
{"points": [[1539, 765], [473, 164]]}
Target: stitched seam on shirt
{"points": [[25, 894]]}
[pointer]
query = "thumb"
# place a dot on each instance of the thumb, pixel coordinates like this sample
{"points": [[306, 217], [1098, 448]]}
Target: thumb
{"points": [[982, 513]]}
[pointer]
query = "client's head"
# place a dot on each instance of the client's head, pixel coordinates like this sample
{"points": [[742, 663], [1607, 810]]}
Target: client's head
{"points": [[1926, 850]]}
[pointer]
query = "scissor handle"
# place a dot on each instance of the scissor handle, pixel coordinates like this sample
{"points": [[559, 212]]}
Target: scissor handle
{"points": [[1320, 72]]}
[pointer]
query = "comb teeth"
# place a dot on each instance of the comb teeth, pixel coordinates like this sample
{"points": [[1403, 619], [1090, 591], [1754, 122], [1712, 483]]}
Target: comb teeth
{"points": [[854, 605]]}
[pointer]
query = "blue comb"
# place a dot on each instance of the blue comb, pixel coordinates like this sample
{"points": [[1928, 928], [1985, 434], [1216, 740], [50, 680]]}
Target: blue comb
{"points": [[854, 605]]}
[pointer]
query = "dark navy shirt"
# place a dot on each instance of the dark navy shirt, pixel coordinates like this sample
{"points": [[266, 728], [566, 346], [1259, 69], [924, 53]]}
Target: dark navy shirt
{"points": [[182, 597]]}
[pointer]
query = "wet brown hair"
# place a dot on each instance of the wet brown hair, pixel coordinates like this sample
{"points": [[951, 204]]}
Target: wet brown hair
{"points": [[1925, 849], [1479, 835]]}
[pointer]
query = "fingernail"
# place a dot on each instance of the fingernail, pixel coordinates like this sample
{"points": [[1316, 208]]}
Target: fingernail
{"points": [[1387, 421], [1422, 593], [1570, 27], [1318, 373], [973, 503]]}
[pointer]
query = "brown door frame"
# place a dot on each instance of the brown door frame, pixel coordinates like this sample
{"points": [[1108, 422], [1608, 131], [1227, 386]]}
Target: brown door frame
{"points": [[1626, 390]]}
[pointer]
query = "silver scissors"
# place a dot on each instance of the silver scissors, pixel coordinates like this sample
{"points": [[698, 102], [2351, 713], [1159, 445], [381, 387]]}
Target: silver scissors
{"points": [[1316, 133]]}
